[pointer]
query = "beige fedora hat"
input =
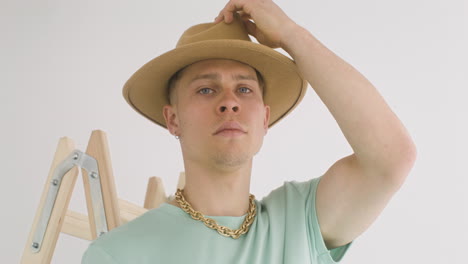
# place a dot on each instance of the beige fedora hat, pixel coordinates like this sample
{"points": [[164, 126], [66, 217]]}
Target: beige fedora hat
{"points": [[147, 89]]}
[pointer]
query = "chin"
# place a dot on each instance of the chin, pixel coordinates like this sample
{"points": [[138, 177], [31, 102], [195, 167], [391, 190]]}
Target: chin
{"points": [[231, 159]]}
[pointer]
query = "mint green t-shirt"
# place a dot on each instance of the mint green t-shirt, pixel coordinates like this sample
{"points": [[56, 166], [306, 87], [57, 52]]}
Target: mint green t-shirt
{"points": [[285, 230]]}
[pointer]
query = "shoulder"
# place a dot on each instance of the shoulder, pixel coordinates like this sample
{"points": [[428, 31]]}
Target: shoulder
{"points": [[137, 231], [293, 190], [292, 198]]}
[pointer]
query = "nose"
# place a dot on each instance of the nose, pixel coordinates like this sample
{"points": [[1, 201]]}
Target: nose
{"points": [[228, 104], [223, 108]]}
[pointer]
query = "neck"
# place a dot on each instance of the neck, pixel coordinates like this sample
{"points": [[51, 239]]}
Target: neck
{"points": [[218, 191]]}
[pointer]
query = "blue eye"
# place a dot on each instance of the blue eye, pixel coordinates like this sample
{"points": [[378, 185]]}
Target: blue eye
{"points": [[244, 90], [205, 91]]}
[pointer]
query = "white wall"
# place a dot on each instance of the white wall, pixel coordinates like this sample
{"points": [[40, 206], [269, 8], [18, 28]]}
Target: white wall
{"points": [[63, 65]]}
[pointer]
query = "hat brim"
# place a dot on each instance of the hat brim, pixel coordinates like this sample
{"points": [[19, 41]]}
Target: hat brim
{"points": [[146, 90]]}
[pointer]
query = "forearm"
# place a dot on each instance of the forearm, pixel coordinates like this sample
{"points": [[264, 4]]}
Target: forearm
{"points": [[374, 132]]}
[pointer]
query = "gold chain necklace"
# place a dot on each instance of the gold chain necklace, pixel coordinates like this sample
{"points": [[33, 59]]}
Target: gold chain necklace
{"points": [[211, 223]]}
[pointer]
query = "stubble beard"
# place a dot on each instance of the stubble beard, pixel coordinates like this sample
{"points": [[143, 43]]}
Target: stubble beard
{"points": [[230, 159], [235, 156]]}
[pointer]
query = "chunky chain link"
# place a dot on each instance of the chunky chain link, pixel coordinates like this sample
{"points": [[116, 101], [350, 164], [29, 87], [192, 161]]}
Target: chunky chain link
{"points": [[211, 223]]}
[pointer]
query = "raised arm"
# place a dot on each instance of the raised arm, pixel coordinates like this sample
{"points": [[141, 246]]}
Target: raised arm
{"points": [[354, 191]]}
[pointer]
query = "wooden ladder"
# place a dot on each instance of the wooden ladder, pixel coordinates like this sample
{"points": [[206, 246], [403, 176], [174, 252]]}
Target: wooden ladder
{"points": [[105, 210]]}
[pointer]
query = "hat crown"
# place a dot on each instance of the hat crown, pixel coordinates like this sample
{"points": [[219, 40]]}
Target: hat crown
{"points": [[212, 31]]}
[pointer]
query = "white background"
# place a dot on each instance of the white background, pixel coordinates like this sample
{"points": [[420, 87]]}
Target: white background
{"points": [[63, 65]]}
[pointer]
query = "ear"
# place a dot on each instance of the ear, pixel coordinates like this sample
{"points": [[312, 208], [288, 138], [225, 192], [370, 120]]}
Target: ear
{"points": [[267, 118], [170, 116]]}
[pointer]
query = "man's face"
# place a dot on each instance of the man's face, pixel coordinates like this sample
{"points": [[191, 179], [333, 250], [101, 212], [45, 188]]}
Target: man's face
{"points": [[218, 113]]}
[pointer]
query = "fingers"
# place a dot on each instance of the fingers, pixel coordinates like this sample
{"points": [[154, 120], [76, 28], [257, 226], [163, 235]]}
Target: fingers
{"points": [[251, 27], [218, 19], [244, 15], [227, 13], [229, 10]]}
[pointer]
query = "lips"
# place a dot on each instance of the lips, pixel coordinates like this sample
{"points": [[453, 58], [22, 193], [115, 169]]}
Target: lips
{"points": [[230, 127]]}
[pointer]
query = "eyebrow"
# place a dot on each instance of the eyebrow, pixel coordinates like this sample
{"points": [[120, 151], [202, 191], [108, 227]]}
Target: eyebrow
{"points": [[210, 76], [240, 77], [217, 77]]}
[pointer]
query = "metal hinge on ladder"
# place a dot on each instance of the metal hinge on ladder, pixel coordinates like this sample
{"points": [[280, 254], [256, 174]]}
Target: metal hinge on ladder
{"points": [[81, 159]]}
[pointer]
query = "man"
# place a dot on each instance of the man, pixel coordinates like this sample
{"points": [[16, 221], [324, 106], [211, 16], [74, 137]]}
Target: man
{"points": [[218, 93]]}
